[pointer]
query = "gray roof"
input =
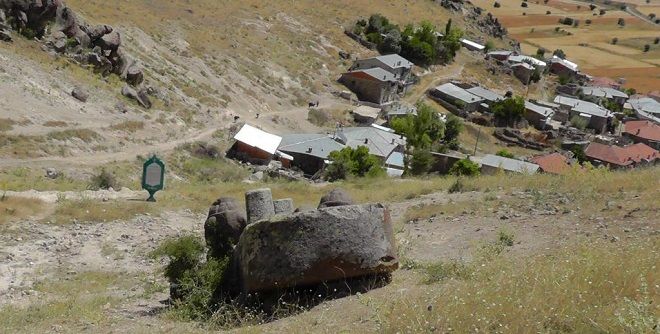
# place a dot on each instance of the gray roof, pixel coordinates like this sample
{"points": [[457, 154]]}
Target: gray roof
{"points": [[458, 93], [486, 93], [380, 143], [378, 74], [547, 104], [402, 109], [606, 92], [541, 110], [501, 52], [583, 107], [646, 108], [511, 165], [321, 145], [395, 61]]}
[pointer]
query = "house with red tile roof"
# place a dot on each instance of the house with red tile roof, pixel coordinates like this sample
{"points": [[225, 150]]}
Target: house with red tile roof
{"points": [[643, 131], [605, 82], [621, 157], [554, 163]]}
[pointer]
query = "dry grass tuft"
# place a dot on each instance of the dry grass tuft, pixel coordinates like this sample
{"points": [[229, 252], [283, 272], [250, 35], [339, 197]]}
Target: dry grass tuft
{"points": [[15, 208]]}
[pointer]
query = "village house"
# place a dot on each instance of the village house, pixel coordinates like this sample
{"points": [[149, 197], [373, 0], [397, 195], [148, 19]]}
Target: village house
{"points": [[400, 67], [365, 114], [379, 141], [523, 71], [554, 163], [646, 108], [374, 85], [309, 151], [643, 131], [400, 110], [472, 46], [606, 93], [492, 164], [598, 118], [538, 116], [616, 157], [254, 145], [487, 95], [456, 98], [501, 55], [563, 67], [522, 59]]}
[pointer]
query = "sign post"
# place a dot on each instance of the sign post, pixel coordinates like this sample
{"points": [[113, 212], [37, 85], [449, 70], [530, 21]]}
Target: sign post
{"points": [[153, 177]]}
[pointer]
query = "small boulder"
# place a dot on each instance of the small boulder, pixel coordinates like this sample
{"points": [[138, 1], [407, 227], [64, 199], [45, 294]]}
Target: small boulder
{"points": [[336, 197], [98, 31], [259, 204], [140, 96], [134, 75], [52, 173], [80, 94], [110, 41], [223, 227], [283, 206]]}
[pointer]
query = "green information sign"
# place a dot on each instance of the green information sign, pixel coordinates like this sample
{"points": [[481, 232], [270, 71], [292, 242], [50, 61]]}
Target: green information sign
{"points": [[153, 177]]}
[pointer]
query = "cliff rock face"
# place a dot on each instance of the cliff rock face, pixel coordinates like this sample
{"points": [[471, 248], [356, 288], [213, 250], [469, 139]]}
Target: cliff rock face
{"points": [[99, 46]]}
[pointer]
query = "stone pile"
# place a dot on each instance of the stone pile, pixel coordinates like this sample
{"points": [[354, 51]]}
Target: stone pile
{"points": [[63, 32], [273, 247]]}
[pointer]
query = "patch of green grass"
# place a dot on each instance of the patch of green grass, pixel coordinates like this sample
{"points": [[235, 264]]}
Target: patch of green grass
{"points": [[24, 178], [85, 135], [128, 126], [592, 287], [440, 271], [16, 208], [89, 210]]}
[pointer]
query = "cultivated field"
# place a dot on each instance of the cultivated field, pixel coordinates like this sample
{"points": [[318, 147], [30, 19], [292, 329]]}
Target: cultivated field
{"points": [[589, 45]]}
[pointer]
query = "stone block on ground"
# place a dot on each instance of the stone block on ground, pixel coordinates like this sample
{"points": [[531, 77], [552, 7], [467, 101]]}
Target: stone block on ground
{"points": [[336, 197], [283, 206], [259, 205], [318, 246]]}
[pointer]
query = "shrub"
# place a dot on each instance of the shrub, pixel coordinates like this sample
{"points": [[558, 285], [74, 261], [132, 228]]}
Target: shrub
{"points": [[509, 110], [615, 40], [184, 254], [505, 153], [621, 22], [559, 53], [540, 52], [489, 46], [457, 187], [647, 48], [505, 238], [103, 180], [464, 167], [453, 128], [437, 272], [497, 5], [579, 122], [578, 153], [656, 40]]}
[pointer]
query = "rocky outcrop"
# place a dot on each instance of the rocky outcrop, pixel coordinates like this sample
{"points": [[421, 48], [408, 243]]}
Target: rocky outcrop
{"points": [[318, 246], [141, 96], [80, 94], [62, 31]]}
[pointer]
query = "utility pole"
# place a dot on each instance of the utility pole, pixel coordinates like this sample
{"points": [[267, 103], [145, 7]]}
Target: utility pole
{"points": [[477, 143]]}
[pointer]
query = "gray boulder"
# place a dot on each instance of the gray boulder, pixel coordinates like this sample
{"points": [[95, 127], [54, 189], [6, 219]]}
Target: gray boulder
{"points": [[80, 94], [141, 96], [134, 75], [223, 227], [110, 41], [313, 247], [336, 197]]}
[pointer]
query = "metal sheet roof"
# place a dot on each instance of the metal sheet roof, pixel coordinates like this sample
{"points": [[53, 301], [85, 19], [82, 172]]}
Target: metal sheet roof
{"points": [[395, 61], [511, 165], [380, 143], [525, 59], [485, 93], [606, 92], [260, 139], [472, 44], [543, 111], [458, 93], [317, 145]]}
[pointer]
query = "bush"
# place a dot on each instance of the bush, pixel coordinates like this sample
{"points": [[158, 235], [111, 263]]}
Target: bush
{"points": [[578, 153], [579, 122], [621, 22], [509, 110], [464, 167], [103, 180], [453, 128], [443, 270], [615, 40], [497, 5], [184, 254], [647, 48], [457, 187], [505, 153], [489, 46], [656, 40], [559, 53]]}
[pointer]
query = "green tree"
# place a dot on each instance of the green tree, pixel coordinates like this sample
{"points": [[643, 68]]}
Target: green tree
{"points": [[464, 167], [423, 130], [356, 162], [489, 46], [452, 43], [510, 110], [559, 53], [578, 153], [421, 161], [453, 128]]}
